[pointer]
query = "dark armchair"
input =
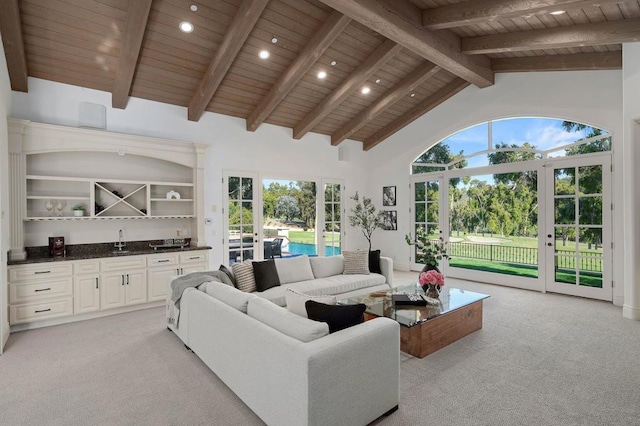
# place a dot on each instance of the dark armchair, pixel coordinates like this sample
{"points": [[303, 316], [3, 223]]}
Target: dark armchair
{"points": [[276, 247]]}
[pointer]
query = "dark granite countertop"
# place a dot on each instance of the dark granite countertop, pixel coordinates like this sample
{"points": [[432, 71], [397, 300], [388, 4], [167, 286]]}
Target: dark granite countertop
{"points": [[94, 251]]}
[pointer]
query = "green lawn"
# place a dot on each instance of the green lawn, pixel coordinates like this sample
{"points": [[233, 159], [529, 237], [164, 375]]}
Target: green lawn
{"points": [[309, 237], [566, 276]]}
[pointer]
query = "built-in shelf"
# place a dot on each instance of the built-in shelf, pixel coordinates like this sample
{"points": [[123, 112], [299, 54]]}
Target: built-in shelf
{"points": [[107, 198], [54, 218]]}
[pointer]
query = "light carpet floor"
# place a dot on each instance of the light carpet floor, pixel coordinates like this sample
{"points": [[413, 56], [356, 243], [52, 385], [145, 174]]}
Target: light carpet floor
{"points": [[541, 359]]}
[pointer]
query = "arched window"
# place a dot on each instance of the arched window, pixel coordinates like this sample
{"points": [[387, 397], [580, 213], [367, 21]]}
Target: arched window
{"points": [[512, 140]]}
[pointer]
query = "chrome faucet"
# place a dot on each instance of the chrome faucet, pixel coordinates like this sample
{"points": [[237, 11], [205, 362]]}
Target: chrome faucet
{"points": [[120, 244]]}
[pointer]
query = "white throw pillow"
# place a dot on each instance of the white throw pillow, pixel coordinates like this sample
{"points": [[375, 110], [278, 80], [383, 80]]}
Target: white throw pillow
{"points": [[245, 280], [329, 266], [294, 269], [356, 262], [286, 322], [296, 301]]}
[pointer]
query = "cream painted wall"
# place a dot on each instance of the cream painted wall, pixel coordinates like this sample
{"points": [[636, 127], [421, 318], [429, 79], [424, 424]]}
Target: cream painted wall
{"points": [[270, 150], [5, 106], [593, 97], [631, 123]]}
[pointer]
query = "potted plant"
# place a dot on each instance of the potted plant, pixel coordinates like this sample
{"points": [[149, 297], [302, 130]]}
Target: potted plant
{"points": [[428, 251], [78, 210], [364, 216]]}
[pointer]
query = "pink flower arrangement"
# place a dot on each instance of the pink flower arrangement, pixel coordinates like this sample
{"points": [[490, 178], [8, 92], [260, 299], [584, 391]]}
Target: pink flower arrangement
{"points": [[431, 277]]}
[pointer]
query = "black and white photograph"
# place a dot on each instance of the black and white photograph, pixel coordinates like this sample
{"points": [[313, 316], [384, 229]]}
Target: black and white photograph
{"points": [[390, 220], [389, 196]]}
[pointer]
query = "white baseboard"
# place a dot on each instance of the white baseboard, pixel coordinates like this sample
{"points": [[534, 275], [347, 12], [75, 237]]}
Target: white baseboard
{"points": [[631, 313], [405, 267]]}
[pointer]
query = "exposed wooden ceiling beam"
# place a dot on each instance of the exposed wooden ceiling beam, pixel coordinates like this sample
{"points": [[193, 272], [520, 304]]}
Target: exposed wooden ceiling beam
{"points": [[243, 22], [330, 30], [137, 17], [612, 32], [413, 80], [575, 62], [11, 29], [401, 21], [377, 59], [483, 11], [419, 110]]}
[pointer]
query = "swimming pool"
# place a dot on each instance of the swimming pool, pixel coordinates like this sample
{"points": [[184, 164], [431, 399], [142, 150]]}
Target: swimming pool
{"points": [[311, 249]]}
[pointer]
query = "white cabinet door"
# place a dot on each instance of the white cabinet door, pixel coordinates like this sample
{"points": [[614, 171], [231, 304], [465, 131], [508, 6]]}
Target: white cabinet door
{"points": [[187, 269], [86, 297], [136, 285], [112, 290], [157, 283]]}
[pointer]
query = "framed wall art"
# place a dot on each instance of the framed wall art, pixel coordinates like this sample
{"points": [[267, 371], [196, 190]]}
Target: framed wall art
{"points": [[388, 196]]}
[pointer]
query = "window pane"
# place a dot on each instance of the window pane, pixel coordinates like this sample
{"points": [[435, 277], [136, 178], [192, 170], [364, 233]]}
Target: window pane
{"points": [[590, 211], [564, 181], [590, 179], [420, 191], [234, 188], [565, 209], [247, 188]]}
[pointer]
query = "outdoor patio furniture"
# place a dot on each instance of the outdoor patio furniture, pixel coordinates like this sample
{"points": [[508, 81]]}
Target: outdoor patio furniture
{"points": [[276, 247]]}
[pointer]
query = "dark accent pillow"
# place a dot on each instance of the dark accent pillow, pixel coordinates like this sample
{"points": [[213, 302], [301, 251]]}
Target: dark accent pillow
{"points": [[228, 273], [338, 317], [374, 262], [266, 274]]}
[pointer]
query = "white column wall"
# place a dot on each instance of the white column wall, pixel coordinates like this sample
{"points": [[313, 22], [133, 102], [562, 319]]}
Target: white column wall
{"points": [[631, 122], [5, 107], [270, 150], [592, 97]]}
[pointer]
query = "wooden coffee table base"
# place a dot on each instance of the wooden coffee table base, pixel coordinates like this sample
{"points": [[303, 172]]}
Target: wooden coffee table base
{"points": [[426, 338]]}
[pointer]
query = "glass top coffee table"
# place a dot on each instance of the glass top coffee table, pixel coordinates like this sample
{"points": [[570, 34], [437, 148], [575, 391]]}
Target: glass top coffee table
{"points": [[426, 329]]}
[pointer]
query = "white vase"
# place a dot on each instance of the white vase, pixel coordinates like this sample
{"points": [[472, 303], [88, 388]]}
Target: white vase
{"points": [[78, 213]]}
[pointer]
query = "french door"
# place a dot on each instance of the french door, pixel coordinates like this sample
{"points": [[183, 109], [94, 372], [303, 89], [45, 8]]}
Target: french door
{"points": [[242, 241], [564, 202], [427, 211], [330, 218], [578, 216], [244, 238]]}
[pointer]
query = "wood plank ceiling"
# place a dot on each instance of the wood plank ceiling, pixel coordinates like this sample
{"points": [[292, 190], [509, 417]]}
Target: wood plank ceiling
{"points": [[412, 55]]}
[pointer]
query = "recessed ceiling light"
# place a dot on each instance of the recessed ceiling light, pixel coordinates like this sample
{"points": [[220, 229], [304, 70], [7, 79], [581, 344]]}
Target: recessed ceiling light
{"points": [[264, 54], [333, 63], [413, 95], [377, 80], [322, 75], [558, 12], [186, 27], [365, 90], [194, 7], [527, 16], [274, 40]]}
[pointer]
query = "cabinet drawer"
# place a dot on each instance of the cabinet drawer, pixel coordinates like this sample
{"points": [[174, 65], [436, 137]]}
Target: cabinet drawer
{"points": [[24, 293], [194, 257], [130, 262], [87, 267], [40, 271], [40, 311], [162, 259]]}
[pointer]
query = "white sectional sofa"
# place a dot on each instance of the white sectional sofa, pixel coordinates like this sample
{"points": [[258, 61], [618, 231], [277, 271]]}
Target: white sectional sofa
{"points": [[324, 275], [287, 368]]}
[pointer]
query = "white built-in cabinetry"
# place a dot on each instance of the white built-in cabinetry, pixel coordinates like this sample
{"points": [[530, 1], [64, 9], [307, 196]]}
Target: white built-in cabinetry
{"points": [[51, 290], [115, 176]]}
